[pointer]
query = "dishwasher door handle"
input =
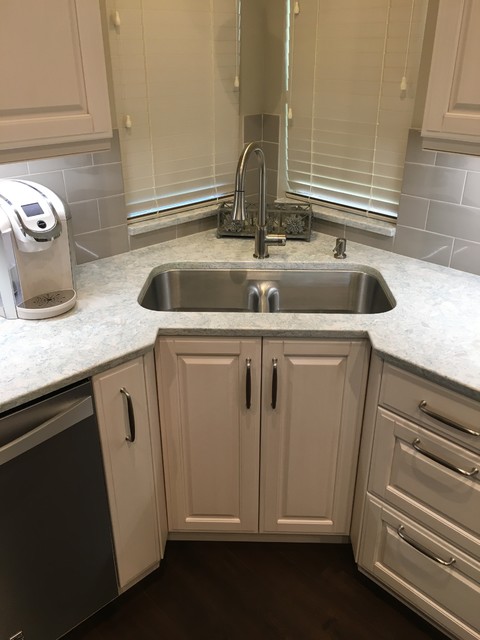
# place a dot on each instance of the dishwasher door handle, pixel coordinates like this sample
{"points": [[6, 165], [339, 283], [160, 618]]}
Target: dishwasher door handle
{"points": [[70, 416]]}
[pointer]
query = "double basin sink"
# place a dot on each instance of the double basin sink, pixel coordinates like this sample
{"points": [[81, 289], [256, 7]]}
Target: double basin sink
{"points": [[357, 290]]}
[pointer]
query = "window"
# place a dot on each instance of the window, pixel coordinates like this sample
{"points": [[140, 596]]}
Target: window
{"points": [[353, 67], [174, 66]]}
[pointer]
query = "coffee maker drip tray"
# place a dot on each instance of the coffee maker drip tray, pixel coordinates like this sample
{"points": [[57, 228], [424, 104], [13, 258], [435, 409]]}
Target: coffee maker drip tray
{"points": [[47, 305]]}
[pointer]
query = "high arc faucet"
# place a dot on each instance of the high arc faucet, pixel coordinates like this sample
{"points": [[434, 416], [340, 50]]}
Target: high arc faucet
{"points": [[262, 237]]}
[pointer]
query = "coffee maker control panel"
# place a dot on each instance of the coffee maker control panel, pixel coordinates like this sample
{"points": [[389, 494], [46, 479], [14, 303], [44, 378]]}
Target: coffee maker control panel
{"points": [[39, 222], [32, 220]]}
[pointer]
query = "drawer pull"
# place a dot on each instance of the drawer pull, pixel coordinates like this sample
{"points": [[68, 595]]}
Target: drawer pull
{"points": [[274, 382], [422, 549], [131, 415], [423, 407], [416, 445], [248, 384]]}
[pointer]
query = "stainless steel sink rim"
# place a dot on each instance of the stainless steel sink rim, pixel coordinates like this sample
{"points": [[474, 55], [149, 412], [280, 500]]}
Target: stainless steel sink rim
{"points": [[189, 288]]}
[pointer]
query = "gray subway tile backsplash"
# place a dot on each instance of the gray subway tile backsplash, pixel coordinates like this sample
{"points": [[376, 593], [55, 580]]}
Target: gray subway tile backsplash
{"points": [[471, 194], [466, 256], [440, 223], [92, 186], [428, 181], [413, 211], [85, 217], [101, 244], [271, 128], [112, 211], [98, 181], [454, 220], [458, 161], [431, 247], [59, 163], [53, 180], [270, 149], [439, 214], [13, 169]]}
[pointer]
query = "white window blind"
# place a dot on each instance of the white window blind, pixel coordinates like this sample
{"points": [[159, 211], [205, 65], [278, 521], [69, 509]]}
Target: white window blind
{"points": [[352, 81], [174, 65]]}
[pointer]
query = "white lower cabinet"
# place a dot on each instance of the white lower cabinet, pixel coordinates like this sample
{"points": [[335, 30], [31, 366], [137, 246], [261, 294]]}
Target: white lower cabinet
{"points": [[433, 575], [260, 435], [416, 522], [127, 411]]}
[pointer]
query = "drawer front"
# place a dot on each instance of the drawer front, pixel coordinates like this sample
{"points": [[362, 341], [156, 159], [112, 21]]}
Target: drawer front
{"points": [[450, 595], [405, 392], [404, 474]]}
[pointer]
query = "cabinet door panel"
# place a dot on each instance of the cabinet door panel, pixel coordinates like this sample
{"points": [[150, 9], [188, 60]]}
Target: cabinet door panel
{"points": [[211, 438], [452, 108], [128, 469], [310, 440], [56, 48]]}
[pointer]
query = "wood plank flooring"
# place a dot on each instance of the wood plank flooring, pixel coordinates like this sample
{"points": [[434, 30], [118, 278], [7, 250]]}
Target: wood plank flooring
{"points": [[256, 591]]}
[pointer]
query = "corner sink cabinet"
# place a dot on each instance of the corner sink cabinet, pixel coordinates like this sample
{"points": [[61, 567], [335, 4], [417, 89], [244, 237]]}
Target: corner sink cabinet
{"points": [[260, 435], [416, 525], [127, 411]]}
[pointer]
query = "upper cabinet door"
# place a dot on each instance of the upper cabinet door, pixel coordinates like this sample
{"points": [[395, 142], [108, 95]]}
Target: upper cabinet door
{"points": [[452, 110], [53, 77]]}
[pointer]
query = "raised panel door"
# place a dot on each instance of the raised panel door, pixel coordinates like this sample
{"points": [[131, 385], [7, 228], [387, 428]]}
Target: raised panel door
{"points": [[210, 414], [452, 108], [54, 86], [129, 468], [310, 434]]}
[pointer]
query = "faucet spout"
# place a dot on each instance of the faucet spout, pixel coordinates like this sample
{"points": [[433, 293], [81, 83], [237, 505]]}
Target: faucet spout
{"points": [[262, 238]]}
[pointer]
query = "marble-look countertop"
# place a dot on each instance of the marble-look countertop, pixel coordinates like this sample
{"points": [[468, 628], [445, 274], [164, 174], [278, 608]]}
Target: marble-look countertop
{"points": [[434, 330]]}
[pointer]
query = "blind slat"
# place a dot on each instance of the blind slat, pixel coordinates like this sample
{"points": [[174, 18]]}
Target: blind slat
{"points": [[346, 142], [174, 66]]}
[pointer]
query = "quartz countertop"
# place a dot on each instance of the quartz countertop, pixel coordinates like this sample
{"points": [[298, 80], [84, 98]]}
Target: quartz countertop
{"points": [[434, 329]]}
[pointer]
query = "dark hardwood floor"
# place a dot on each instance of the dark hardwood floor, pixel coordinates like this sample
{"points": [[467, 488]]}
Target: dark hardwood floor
{"points": [[256, 591]]}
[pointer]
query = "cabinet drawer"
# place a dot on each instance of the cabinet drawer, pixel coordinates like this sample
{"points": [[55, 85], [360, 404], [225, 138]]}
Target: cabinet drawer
{"points": [[404, 474], [458, 416], [448, 594]]}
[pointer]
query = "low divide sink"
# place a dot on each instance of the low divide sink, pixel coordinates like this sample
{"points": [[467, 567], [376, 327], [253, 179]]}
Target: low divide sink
{"points": [[355, 290]]}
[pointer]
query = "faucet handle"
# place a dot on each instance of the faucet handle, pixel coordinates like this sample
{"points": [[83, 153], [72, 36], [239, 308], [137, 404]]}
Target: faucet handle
{"points": [[340, 246], [276, 238]]}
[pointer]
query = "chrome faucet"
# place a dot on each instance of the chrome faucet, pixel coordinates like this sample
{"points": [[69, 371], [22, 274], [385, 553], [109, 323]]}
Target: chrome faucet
{"points": [[262, 238]]}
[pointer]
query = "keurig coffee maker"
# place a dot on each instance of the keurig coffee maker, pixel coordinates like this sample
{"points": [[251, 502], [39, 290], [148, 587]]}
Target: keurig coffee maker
{"points": [[36, 252]]}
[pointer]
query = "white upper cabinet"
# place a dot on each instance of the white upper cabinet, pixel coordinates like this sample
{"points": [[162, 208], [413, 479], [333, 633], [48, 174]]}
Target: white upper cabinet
{"points": [[53, 76], [452, 111]]}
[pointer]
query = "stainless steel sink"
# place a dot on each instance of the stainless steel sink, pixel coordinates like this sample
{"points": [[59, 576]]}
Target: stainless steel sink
{"points": [[267, 291]]}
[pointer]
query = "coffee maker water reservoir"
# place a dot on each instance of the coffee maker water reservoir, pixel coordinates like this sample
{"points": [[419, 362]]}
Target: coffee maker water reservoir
{"points": [[36, 252]]}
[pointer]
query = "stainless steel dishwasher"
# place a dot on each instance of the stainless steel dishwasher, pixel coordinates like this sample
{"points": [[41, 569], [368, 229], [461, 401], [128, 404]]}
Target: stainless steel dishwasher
{"points": [[56, 555]]}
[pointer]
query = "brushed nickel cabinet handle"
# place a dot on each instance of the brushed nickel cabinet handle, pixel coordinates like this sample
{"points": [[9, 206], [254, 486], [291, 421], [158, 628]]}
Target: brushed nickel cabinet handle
{"points": [[419, 547], [450, 423], [248, 384], [131, 415], [428, 454], [274, 382]]}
